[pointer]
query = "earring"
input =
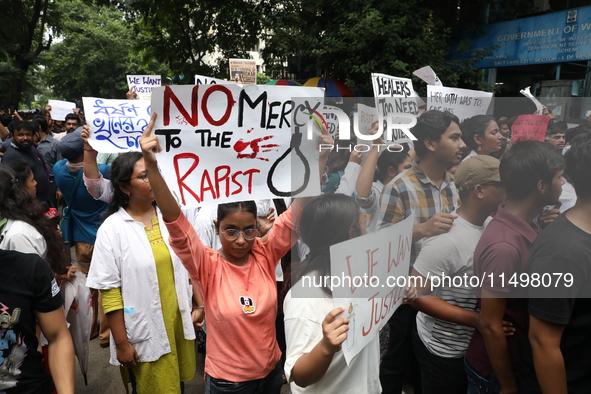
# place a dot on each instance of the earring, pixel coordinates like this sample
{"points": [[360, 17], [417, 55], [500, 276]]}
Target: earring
{"points": [[479, 148]]}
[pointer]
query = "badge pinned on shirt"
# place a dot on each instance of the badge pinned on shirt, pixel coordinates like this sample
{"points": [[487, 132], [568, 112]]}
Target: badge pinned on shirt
{"points": [[247, 304]]}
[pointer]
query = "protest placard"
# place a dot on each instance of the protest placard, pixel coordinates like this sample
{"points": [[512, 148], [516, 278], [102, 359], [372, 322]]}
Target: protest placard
{"points": [[539, 107], [203, 80], [225, 143], [365, 116], [394, 99], [143, 84], [116, 125], [332, 123], [463, 103], [373, 270], [529, 128], [243, 71], [428, 75], [59, 109]]}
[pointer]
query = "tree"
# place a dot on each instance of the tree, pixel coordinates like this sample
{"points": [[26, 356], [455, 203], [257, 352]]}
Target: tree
{"points": [[95, 55], [188, 36], [350, 42], [23, 37]]}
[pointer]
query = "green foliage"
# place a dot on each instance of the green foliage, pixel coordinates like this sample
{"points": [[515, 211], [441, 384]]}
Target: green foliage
{"points": [[262, 79], [24, 28], [350, 42], [194, 36], [95, 54]]}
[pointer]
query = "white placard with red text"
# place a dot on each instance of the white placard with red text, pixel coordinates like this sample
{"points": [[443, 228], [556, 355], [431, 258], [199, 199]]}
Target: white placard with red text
{"points": [[224, 143], [377, 259]]}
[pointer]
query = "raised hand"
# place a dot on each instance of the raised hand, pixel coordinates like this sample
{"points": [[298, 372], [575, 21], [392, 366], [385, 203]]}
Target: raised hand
{"points": [[149, 143]]}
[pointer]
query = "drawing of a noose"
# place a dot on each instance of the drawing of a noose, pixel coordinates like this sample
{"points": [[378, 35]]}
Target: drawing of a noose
{"points": [[295, 143]]}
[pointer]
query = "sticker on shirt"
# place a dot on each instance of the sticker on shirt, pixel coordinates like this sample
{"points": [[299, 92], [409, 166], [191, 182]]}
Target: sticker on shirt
{"points": [[55, 289], [247, 304]]}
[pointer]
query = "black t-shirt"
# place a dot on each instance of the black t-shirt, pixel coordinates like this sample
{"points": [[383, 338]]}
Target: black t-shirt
{"points": [[31, 157], [28, 285], [562, 249]]}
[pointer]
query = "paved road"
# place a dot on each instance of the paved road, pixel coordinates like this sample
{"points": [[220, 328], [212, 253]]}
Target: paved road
{"points": [[104, 377]]}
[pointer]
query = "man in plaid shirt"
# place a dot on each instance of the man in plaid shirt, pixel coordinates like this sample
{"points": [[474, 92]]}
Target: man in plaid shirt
{"points": [[429, 191]]}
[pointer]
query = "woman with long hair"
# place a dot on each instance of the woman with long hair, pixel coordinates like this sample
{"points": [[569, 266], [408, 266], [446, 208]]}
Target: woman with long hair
{"points": [[314, 333], [482, 135], [147, 296], [27, 229]]}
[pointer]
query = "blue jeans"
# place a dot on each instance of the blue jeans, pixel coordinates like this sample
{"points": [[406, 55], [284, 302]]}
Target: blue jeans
{"points": [[270, 384], [477, 384]]}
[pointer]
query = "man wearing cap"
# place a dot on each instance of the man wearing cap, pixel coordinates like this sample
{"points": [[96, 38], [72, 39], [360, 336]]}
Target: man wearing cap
{"points": [[448, 312], [86, 213]]}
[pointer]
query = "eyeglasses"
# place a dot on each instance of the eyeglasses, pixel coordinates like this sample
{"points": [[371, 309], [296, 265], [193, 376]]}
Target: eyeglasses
{"points": [[232, 234], [143, 177]]}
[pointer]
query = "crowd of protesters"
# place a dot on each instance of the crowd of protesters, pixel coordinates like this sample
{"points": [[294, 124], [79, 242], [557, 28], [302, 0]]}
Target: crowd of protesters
{"points": [[483, 206]]}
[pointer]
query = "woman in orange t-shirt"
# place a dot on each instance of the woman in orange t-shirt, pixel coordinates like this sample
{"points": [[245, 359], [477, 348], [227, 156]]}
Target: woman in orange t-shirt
{"points": [[238, 282]]}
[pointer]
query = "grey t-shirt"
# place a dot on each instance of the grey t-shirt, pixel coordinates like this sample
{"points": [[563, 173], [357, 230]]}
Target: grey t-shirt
{"points": [[451, 255]]}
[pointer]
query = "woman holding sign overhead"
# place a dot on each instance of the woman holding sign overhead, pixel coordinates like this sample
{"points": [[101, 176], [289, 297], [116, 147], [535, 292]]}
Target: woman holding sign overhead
{"points": [[238, 282]]}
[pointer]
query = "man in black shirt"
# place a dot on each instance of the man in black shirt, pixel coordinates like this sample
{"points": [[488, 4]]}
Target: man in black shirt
{"points": [[557, 358], [21, 148], [30, 293]]}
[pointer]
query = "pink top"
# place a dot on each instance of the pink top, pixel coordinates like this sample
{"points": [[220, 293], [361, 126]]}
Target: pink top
{"points": [[240, 302]]}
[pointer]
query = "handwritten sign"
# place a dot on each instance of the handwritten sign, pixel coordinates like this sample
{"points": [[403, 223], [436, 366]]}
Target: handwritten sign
{"points": [[529, 128], [428, 75], [243, 71], [539, 107], [332, 123], [116, 125], [203, 80], [59, 109], [463, 103], [364, 117], [225, 143], [394, 97], [377, 265], [143, 85]]}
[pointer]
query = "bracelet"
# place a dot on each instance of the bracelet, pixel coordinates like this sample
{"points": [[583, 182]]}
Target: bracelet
{"points": [[198, 307], [90, 150]]}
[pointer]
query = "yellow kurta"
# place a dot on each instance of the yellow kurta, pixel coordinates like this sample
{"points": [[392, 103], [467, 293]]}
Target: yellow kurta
{"points": [[165, 374]]}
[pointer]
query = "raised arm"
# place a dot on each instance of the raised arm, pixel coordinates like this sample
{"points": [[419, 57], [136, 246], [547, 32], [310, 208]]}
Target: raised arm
{"points": [[150, 146], [91, 170], [365, 179]]}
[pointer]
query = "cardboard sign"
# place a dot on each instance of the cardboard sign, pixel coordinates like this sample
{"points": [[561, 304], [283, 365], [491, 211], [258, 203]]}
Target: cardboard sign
{"points": [[529, 128], [143, 84], [59, 109], [116, 125], [243, 71], [203, 80], [225, 143], [394, 97], [365, 116], [428, 75], [463, 103], [332, 123], [377, 265]]}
